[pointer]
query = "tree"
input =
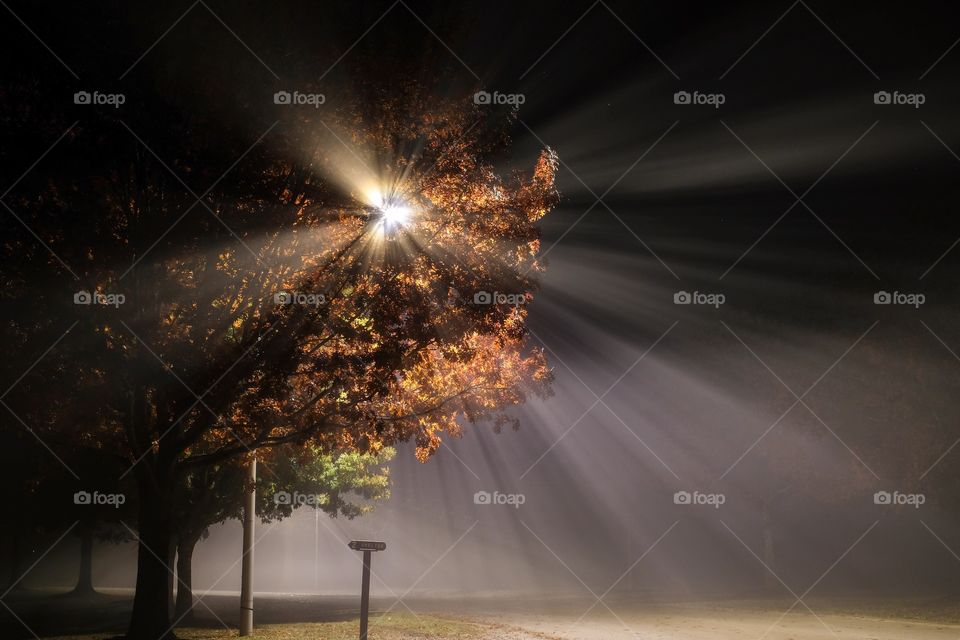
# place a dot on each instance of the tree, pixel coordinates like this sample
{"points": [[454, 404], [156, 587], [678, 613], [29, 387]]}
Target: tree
{"points": [[908, 420], [884, 421], [345, 483], [96, 504], [47, 496], [19, 456], [198, 364]]}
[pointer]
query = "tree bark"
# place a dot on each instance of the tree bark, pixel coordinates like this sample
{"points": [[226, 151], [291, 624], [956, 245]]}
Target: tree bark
{"points": [[150, 619], [84, 585], [185, 602]]}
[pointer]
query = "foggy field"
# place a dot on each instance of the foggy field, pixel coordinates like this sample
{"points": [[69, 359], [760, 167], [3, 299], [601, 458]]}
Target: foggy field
{"points": [[695, 623], [295, 617]]}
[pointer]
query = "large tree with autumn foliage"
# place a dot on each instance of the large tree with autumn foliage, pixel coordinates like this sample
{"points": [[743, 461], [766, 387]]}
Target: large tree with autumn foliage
{"points": [[200, 227]]}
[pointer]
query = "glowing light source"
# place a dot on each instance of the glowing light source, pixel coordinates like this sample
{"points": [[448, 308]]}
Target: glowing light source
{"points": [[394, 215], [391, 214]]}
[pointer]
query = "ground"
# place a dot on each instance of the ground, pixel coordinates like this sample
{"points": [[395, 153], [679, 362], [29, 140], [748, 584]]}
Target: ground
{"points": [[693, 623], [390, 627], [517, 617]]}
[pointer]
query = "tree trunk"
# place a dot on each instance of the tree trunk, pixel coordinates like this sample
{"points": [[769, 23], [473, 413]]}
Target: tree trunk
{"points": [[185, 547], [84, 585], [151, 603]]}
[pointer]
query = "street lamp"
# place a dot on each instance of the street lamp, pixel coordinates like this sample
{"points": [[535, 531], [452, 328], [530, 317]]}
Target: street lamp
{"points": [[390, 213], [394, 216]]}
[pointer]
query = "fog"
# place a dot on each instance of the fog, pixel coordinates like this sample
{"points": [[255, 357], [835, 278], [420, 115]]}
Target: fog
{"points": [[649, 399]]}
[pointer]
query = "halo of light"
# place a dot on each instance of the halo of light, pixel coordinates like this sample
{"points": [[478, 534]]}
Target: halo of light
{"points": [[395, 215]]}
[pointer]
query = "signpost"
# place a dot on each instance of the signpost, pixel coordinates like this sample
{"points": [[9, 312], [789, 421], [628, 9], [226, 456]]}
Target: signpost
{"points": [[367, 546]]}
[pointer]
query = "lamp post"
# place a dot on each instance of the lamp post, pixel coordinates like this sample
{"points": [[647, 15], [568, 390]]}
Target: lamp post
{"points": [[246, 578]]}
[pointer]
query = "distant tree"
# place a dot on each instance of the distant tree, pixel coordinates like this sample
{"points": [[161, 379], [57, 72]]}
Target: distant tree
{"points": [[97, 506], [889, 419], [344, 484], [20, 458], [909, 421], [48, 496], [795, 454]]}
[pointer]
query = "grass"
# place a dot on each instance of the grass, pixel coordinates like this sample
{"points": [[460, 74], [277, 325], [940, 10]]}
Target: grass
{"points": [[389, 627]]}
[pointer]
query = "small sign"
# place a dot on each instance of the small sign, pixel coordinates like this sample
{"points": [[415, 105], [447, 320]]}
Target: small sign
{"points": [[367, 545]]}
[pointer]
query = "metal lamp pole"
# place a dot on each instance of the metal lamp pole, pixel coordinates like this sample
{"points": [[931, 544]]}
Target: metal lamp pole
{"points": [[246, 579]]}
